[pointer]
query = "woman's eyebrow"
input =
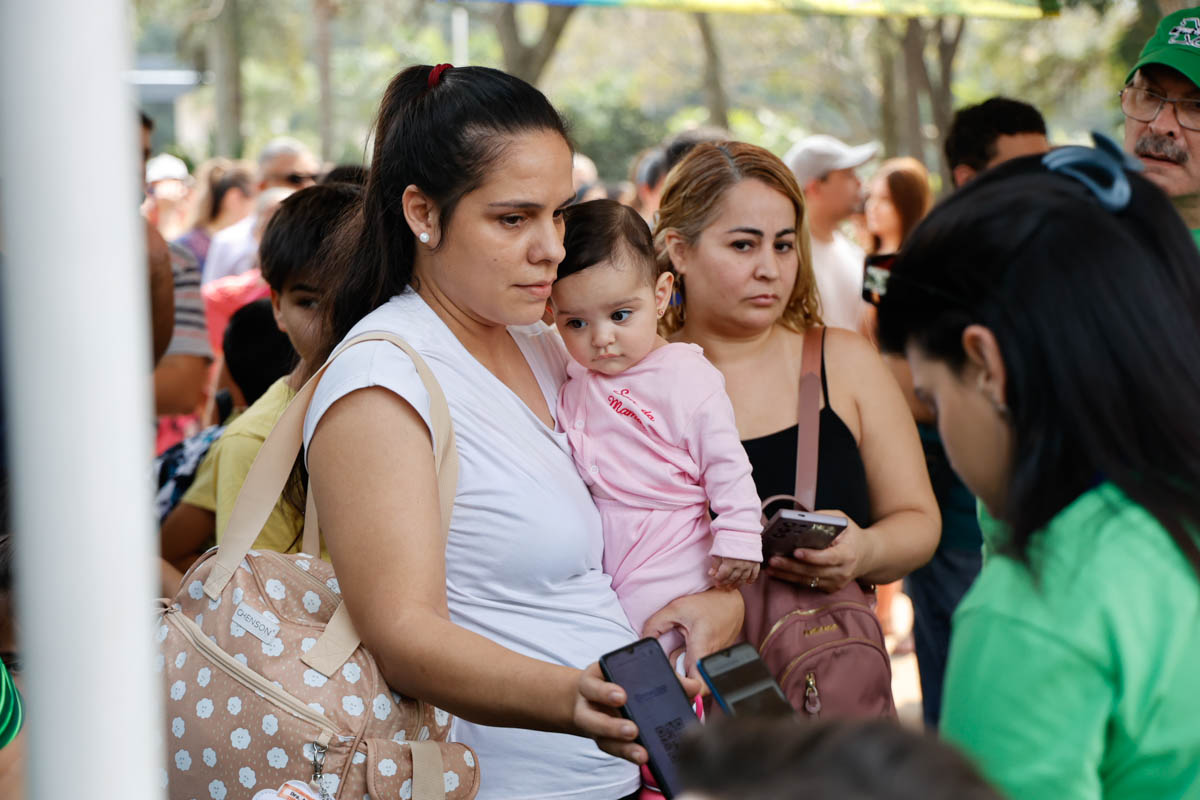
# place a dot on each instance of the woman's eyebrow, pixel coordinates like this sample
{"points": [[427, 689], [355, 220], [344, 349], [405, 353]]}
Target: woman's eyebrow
{"points": [[751, 231], [785, 232], [519, 204]]}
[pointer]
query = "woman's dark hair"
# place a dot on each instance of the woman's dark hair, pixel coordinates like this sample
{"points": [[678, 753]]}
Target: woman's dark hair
{"points": [[443, 139], [1096, 317], [600, 230], [346, 173], [762, 759]]}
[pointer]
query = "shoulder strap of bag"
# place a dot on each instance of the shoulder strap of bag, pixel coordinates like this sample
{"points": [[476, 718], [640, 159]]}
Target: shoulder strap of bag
{"points": [[269, 474], [808, 433]]}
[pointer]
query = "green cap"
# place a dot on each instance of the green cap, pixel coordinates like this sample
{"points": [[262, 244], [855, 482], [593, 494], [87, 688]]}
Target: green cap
{"points": [[1176, 44]]}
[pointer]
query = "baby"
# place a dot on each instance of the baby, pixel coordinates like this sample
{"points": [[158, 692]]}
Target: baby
{"points": [[649, 423]]}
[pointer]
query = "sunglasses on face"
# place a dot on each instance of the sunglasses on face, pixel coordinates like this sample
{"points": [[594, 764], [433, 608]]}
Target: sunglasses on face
{"points": [[298, 178]]}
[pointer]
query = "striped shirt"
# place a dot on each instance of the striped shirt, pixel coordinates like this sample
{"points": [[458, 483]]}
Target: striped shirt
{"points": [[190, 337]]}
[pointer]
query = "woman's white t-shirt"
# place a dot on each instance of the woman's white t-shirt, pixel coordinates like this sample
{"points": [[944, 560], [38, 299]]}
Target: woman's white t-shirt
{"points": [[523, 559]]}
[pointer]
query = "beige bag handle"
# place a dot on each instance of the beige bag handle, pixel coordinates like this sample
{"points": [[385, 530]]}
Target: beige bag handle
{"points": [[269, 474]]}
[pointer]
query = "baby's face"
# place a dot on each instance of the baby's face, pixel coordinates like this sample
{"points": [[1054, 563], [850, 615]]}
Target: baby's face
{"points": [[608, 315]]}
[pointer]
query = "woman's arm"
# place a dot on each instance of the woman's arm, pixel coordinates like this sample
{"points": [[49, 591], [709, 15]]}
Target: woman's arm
{"points": [[372, 473], [907, 524]]}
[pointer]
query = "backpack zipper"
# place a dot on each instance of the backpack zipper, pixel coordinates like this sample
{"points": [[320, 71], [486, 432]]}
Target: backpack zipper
{"points": [[812, 697], [808, 612], [828, 645], [248, 678]]}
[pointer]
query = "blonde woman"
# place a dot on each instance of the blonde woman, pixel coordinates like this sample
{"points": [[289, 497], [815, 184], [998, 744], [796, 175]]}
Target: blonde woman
{"points": [[732, 230]]}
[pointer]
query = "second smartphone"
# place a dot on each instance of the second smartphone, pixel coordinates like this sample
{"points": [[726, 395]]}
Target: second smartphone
{"points": [[741, 683]]}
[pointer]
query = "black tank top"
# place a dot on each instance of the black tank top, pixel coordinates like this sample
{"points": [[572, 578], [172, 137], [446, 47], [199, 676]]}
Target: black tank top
{"points": [[841, 476]]}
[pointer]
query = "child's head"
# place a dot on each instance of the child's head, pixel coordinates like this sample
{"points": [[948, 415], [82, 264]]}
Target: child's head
{"points": [[609, 294], [292, 259], [257, 353]]}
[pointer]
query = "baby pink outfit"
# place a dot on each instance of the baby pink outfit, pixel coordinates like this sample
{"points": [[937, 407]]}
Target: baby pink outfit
{"points": [[657, 446]]}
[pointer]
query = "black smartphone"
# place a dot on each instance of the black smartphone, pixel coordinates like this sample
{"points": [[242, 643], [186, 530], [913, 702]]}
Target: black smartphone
{"points": [[741, 683], [788, 530], [877, 269], [657, 704]]}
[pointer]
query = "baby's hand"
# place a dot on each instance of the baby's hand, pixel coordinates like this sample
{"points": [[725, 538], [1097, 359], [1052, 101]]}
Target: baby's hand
{"points": [[731, 573]]}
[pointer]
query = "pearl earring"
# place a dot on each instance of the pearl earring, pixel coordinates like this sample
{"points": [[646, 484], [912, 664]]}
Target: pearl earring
{"points": [[424, 237]]}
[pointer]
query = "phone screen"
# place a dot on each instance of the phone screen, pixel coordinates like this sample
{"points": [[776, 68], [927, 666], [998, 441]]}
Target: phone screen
{"points": [[655, 702], [742, 684], [876, 272]]}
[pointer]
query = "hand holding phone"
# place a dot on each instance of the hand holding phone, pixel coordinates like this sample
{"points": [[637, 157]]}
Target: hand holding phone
{"points": [[596, 714], [657, 704]]}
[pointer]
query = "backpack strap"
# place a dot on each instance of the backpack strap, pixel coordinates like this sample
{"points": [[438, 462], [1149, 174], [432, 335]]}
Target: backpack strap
{"points": [[269, 474], [808, 425], [808, 420]]}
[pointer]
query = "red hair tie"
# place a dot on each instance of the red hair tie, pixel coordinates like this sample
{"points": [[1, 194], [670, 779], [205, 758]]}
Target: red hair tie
{"points": [[435, 74]]}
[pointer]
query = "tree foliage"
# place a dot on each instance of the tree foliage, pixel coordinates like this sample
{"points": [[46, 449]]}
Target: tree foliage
{"points": [[626, 77]]}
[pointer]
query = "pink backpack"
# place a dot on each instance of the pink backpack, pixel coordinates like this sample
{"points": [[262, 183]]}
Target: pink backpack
{"points": [[265, 678], [826, 650]]}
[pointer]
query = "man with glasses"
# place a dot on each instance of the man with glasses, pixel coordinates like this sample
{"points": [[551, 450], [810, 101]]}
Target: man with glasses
{"points": [[1161, 103], [284, 163]]}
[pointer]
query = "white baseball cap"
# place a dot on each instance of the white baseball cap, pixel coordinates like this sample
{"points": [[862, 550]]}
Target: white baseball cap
{"points": [[816, 156], [165, 166]]}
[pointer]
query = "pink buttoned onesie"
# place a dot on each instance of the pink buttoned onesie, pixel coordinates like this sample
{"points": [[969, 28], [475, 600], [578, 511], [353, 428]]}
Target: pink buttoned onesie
{"points": [[657, 446]]}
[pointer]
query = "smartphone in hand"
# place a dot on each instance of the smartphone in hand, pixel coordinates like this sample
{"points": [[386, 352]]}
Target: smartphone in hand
{"points": [[657, 704], [741, 683], [789, 530]]}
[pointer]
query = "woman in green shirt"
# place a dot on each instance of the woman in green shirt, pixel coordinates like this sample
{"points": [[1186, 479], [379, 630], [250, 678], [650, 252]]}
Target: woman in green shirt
{"points": [[1050, 312]]}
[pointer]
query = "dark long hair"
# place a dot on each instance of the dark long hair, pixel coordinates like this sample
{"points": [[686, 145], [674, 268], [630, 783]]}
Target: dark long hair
{"points": [[1096, 315], [442, 139]]}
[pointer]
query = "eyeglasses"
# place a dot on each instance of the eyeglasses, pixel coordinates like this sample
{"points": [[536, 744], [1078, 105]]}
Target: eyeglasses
{"points": [[1144, 105]]}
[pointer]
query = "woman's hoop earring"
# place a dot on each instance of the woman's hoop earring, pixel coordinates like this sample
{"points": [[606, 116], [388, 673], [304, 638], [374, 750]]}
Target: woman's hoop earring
{"points": [[424, 237]]}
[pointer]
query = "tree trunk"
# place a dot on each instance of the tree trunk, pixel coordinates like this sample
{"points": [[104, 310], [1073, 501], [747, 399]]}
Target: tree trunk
{"points": [[714, 90], [323, 22], [889, 112], [225, 58], [939, 88], [528, 62], [914, 79]]}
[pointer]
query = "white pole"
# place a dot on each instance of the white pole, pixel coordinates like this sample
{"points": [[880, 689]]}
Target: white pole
{"points": [[459, 36], [77, 372]]}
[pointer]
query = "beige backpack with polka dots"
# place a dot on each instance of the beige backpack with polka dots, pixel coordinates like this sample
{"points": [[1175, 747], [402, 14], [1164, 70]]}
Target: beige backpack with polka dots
{"points": [[265, 678]]}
